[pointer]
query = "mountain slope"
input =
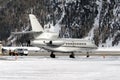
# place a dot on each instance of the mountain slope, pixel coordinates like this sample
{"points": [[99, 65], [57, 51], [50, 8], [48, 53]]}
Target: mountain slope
{"points": [[98, 20]]}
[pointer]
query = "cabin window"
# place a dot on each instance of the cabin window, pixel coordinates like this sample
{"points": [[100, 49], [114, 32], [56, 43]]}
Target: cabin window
{"points": [[80, 43], [75, 43]]}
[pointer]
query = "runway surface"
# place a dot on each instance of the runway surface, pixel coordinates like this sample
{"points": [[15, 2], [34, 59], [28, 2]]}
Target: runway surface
{"points": [[45, 53], [60, 68]]}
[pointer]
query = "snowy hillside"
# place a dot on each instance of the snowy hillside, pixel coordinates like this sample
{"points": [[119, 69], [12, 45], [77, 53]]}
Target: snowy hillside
{"points": [[98, 20]]}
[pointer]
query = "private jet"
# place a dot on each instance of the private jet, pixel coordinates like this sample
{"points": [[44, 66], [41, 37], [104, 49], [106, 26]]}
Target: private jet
{"points": [[50, 41]]}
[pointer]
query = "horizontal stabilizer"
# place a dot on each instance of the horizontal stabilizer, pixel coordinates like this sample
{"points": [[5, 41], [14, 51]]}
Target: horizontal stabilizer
{"points": [[26, 32]]}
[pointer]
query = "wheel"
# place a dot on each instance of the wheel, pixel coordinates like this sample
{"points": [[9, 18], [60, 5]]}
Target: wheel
{"points": [[25, 54], [72, 55], [52, 55]]}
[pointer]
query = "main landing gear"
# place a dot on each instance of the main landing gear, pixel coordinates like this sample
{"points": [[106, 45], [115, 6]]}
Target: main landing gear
{"points": [[87, 55], [52, 55], [72, 55]]}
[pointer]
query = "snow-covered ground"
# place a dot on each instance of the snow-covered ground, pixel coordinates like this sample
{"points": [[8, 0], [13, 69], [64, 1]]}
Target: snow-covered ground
{"points": [[61, 68]]}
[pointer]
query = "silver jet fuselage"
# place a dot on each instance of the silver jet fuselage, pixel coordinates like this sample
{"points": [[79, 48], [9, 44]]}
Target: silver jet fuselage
{"points": [[65, 45]]}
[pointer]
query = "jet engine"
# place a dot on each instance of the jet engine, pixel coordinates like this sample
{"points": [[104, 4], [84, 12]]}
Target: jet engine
{"points": [[54, 43]]}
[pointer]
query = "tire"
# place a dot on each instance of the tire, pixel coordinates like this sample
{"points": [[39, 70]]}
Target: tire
{"points": [[72, 55], [52, 55], [25, 54]]}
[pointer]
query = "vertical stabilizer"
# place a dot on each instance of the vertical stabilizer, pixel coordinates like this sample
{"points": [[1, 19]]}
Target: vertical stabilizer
{"points": [[35, 23]]}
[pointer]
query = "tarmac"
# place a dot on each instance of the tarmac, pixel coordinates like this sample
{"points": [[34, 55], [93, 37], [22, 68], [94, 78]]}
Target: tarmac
{"points": [[45, 53]]}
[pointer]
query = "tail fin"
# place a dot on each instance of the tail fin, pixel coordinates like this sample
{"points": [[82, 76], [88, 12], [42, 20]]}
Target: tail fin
{"points": [[36, 27]]}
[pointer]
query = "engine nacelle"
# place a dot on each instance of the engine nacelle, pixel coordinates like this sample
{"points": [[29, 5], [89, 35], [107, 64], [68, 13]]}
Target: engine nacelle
{"points": [[54, 43]]}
